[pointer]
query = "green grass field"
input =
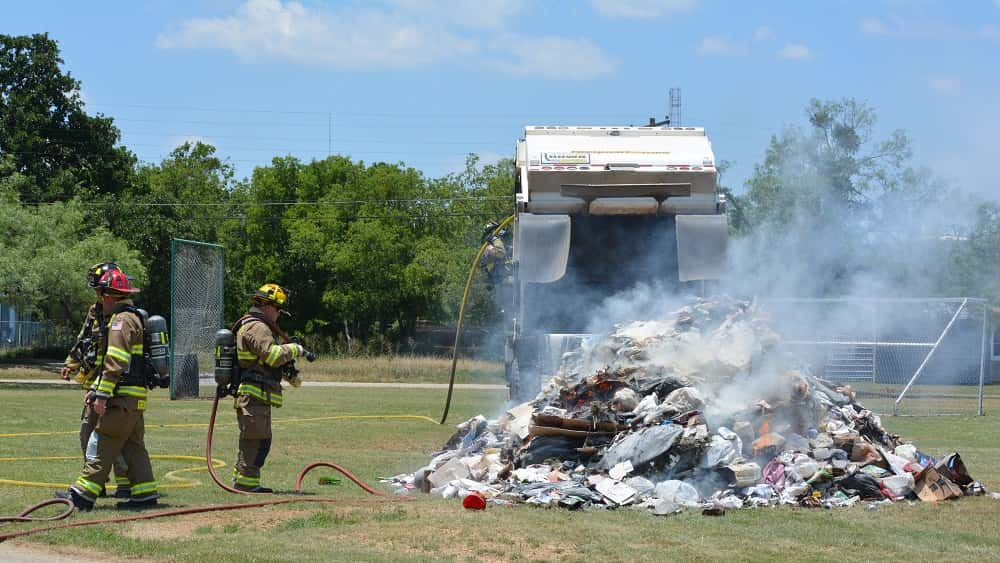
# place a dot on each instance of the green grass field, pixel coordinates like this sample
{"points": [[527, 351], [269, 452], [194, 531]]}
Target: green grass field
{"points": [[386, 369], [435, 529]]}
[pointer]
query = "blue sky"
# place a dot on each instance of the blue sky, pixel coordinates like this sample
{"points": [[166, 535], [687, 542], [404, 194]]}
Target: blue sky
{"points": [[426, 81]]}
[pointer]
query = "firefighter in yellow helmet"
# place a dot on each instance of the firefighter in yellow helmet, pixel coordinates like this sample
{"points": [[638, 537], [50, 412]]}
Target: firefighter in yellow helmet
{"points": [[119, 401], [263, 351], [83, 365]]}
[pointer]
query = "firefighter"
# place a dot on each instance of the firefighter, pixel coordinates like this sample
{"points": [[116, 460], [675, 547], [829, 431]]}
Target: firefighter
{"points": [[262, 357], [119, 402], [495, 262], [83, 364]]}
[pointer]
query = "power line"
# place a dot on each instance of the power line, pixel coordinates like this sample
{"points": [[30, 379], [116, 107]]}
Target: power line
{"points": [[317, 156], [345, 114], [319, 203], [341, 218]]}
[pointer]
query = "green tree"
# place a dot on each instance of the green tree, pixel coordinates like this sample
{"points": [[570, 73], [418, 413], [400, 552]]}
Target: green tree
{"points": [[187, 196], [823, 205], [830, 169], [47, 251], [974, 264], [54, 143]]}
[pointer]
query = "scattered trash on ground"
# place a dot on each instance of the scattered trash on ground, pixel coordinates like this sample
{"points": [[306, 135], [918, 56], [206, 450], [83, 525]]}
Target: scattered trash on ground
{"points": [[702, 410]]}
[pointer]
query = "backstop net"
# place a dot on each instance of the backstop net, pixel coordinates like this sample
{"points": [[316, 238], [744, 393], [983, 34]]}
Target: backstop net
{"points": [[196, 312], [902, 356]]}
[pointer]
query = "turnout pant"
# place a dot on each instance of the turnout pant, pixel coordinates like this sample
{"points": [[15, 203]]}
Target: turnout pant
{"points": [[254, 418], [119, 432], [88, 421]]}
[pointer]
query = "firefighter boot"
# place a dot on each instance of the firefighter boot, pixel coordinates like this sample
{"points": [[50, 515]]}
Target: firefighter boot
{"points": [[133, 504], [255, 489], [81, 503]]}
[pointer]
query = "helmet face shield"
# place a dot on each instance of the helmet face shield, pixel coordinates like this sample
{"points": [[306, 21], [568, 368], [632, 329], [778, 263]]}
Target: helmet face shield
{"points": [[97, 271]]}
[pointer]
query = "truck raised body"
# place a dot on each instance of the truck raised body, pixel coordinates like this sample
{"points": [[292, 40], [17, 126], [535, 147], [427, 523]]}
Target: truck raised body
{"points": [[600, 209]]}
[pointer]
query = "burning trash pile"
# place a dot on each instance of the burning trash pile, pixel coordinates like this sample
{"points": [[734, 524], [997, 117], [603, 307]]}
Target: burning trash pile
{"points": [[701, 410]]}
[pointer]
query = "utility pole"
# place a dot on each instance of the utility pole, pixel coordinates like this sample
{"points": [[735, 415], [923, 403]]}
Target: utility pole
{"points": [[329, 134]]}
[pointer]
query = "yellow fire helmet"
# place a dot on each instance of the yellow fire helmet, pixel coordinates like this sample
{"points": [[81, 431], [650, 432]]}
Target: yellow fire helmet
{"points": [[271, 294]]}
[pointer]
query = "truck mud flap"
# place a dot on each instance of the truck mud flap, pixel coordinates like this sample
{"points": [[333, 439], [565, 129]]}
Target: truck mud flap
{"points": [[701, 246], [542, 247]]}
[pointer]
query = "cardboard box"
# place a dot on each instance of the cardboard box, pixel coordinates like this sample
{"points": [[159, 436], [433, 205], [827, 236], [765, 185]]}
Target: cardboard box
{"points": [[932, 486], [951, 466]]}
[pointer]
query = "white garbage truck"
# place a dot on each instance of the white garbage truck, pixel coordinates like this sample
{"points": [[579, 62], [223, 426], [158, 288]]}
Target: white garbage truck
{"points": [[598, 210]]}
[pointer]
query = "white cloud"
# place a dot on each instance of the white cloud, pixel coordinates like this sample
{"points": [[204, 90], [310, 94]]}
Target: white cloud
{"points": [[996, 3], [554, 57], [945, 85], [763, 33], [478, 14], [389, 34], [642, 9], [874, 26], [715, 45], [895, 26], [795, 52], [269, 29]]}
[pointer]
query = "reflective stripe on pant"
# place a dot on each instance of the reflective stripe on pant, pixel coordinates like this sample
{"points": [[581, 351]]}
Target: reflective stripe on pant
{"points": [[88, 420], [254, 419], [119, 431]]}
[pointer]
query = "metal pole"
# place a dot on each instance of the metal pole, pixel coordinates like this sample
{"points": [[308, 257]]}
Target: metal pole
{"points": [[875, 336], [982, 355], [173, 332], [930, 354]]}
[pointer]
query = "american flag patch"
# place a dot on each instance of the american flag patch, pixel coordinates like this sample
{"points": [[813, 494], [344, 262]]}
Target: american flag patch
{"points": [[117, 325]]}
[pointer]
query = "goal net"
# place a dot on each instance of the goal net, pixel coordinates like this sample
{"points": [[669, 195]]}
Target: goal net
{"points": [[196, 312]]}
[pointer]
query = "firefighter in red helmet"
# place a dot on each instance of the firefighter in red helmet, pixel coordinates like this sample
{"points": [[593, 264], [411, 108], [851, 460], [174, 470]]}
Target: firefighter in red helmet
{"points": [[83, 364], [119, 401]]}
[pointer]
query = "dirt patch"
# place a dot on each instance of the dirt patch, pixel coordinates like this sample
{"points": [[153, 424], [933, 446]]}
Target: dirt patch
{"points": [[36, 553], [186, 526]]}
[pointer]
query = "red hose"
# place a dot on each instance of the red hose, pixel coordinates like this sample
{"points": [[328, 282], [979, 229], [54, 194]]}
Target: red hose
{"points": [[23, 517], [208, 452]]}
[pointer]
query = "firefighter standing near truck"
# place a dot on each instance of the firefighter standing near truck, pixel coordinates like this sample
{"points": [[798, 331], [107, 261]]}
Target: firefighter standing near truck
{"points": [[119, 401], [496, 261], [264, 354], [83, 365]]}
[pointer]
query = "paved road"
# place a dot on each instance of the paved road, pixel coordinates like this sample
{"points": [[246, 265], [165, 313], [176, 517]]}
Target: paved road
{"points": [[205, 382]]}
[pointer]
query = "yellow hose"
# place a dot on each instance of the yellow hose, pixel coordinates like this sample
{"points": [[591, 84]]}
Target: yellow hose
{"points": [[177, 482], [276, 421], [461, 313]]}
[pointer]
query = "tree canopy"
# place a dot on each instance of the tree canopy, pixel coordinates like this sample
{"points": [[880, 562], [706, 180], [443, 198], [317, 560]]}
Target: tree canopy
{"points": [[59, 149]]}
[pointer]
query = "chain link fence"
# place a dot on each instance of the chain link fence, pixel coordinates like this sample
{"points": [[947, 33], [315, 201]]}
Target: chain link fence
{"points": [[196, 312], [33, 334], [903, 356]]}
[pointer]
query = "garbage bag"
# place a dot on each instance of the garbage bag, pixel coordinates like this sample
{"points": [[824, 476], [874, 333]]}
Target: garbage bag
{"points": [[542, 448], [677, 492], [863, 485], [643, 446], [720, 452], [899, 485]]}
